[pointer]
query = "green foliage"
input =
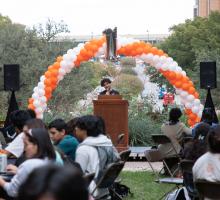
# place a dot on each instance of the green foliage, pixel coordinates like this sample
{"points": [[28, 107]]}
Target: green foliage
{"points": [[128, 62], [143, 122], [128, 71], [128, 85]]}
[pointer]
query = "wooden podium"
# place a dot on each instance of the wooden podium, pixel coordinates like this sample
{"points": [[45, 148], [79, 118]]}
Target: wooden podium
{"points": [[114, 110]]}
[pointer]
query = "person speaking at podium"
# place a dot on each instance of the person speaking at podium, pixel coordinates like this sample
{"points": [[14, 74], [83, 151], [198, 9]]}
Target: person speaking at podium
{"points": [[106, 83]]}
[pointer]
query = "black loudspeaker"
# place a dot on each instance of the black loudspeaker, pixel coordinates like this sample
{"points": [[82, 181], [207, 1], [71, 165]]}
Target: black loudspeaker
{"points": [[11, 77], [208, 75]]}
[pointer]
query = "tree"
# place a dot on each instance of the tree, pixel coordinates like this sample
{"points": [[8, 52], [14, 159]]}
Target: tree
{"points": [[51, 29]]}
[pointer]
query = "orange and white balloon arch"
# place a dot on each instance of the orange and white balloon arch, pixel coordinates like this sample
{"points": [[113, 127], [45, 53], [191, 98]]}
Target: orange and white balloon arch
{"points": [[127, 47]]}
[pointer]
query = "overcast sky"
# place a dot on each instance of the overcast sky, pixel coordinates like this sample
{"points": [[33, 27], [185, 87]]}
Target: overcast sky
{"points": [[86, 17]]}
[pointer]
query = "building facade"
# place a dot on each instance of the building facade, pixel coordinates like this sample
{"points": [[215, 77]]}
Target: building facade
{"points": [[203, 8]]}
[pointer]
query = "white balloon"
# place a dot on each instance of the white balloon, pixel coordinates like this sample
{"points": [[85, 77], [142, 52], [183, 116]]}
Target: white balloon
{"points": [[60, 77], [196, 102], [169, 59], [35, 89], [188, 105], [62, 72], [36, 103], [43, 99], [81, 45], [35, 96], [183, 73], [190, 98], [42, 78], [200, 114], [70, 51], [40, 85], [39, 110], [62, 64], [41, 92], [195, 109], [66, 57], [155, 59], [40, 115], [178, 92], [178, 69], [183, 94], [164, 67]]}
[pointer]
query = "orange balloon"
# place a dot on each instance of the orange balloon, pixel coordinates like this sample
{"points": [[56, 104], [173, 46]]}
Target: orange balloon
{"points": [[139, 50], [185, 79], [48, 90], [30, 100], [191, 90], [54, 72], [47, 82], [154, 50], [196, 95], [160, 52], [77, 63], [146, 49], [179, 76], [172, 75], [56, 65], [188, 111], [47, 74], [185, 86], [178, 84], [193, 116], [31, 106], [190, 122]]}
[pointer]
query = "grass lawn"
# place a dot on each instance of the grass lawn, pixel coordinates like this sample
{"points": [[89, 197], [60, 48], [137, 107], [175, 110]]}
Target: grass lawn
{"points": [[143, 186]]}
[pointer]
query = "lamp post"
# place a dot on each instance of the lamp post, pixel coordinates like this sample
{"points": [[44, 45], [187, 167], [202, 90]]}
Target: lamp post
{"points": [[147, 35]]}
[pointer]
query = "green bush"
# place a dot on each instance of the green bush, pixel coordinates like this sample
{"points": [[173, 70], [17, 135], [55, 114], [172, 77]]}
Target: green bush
{"points": [[128, 71], [128, 85], [128, 62]]}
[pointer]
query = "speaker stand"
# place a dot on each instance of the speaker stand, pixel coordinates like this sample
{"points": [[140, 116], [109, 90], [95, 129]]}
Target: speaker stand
{"points": [[209, 104], [13, 105]]}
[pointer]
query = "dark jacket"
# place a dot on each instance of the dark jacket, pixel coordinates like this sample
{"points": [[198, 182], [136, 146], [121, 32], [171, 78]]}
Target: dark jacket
{"points": [[112, 92]]}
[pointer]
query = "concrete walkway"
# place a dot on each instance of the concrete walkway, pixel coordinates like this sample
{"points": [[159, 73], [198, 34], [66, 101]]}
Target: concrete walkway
{"points": [[142, 166]]}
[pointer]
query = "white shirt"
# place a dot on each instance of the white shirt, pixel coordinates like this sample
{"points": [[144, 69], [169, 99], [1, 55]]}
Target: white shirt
{"points": [[16, 147]]}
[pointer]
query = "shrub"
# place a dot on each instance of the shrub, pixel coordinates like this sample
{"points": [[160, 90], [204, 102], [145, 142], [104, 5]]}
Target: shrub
{"points": [[128, 62], [128, 71], [128, 85]]}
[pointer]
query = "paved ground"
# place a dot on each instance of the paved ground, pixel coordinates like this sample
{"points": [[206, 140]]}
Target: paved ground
{"points": [[142, 166]]}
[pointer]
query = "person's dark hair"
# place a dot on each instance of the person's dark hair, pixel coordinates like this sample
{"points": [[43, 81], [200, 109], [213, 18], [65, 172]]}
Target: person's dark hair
{"points": [[174, 115], [207, 116], [101, 125], [58, 124], [40, 137], [56, 181], [71, 125], [35, 123], [18, 118], [31, 113], [214, 139], [90, 124], [201, 131], [104, 80]]}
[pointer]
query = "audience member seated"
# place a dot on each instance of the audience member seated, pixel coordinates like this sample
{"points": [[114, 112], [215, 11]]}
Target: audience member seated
{"points": [[71, 125], [207, 167], [38, 151], [207, 117], [16, 147], [175, 130], [65, 142], [198, 146], [95, 152], [52, 182]]}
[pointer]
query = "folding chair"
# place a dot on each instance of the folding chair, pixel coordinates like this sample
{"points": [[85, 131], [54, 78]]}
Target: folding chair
{"points": [[186, 167], [163, 139], [208, 189], [89, 178], [124, 155], [109, 177], [154, 155]]}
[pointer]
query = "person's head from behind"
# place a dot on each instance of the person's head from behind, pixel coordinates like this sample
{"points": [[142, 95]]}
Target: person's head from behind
{"points": [[57, 129], [31, 113], [174, 115], [106, 83], [18, 119], [101, 125], [201, 131], [37, 144], [207, 116], [87, 126], [214, 139], [54, 182], [71, 125], [33, 123]]}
